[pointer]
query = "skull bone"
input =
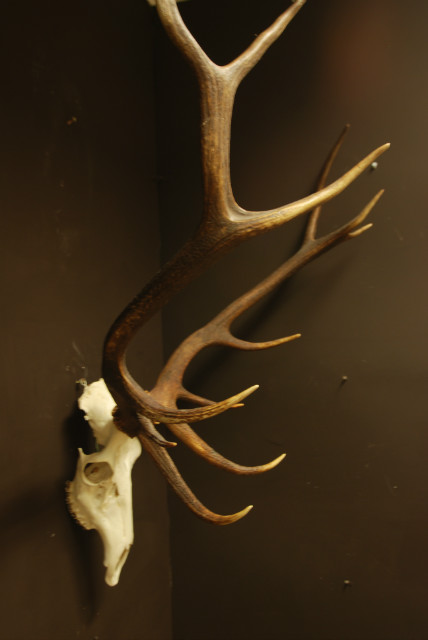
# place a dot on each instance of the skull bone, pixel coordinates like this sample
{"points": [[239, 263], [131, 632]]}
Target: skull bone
{"points": [[100, 496]]}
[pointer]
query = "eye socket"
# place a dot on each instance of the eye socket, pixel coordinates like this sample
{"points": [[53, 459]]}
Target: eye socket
{"points": [[96, 472]]}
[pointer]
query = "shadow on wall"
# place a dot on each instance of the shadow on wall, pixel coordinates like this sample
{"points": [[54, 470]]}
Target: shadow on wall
{"points": [[41, 504]]}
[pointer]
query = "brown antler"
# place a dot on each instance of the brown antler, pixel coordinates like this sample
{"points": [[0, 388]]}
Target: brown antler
{"points": [[169, 386], [224, 224]]}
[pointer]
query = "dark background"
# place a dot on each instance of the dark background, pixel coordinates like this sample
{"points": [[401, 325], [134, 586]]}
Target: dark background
{"points": [[99, 145]]}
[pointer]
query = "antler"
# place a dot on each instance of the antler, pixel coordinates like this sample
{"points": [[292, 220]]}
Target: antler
{"points": [[224, 223], [169, 386]]}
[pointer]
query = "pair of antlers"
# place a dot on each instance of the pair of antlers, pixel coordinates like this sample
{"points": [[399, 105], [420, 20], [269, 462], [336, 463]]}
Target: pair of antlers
{"points": [[224, 225]]}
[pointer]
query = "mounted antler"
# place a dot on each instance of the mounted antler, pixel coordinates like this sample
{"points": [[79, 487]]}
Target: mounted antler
{"points": [[224, 225], [169, 386]]}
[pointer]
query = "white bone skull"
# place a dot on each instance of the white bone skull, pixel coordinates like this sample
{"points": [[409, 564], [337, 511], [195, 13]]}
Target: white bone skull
{"points": [[100, 496]]}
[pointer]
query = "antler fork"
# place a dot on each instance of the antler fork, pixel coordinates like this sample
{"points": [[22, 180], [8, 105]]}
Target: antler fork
{"points": [[224, 224]]}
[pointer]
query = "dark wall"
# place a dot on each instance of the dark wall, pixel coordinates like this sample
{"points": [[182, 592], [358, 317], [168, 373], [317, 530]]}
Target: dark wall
{"points": [[79, 237], [335, 548]]}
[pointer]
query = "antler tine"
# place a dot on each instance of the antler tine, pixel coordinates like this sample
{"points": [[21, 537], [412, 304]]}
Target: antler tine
{"points": [[247, 345], [249, 58], [184, 433], [179, 34], [184, 394], [311, 226], [170, 471], [255, 223], [352, 229]]}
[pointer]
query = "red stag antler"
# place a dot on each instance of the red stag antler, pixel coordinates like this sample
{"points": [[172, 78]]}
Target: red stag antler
{"points": [[224, 225]]}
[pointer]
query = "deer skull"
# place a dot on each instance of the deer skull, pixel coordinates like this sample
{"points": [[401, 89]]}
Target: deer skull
{"points": [[100, 496]]}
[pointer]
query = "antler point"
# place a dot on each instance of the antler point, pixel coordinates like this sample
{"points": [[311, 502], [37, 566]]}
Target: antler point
{"points": [[358, 232], [233, 518], [274, 463], [248, 392]]}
